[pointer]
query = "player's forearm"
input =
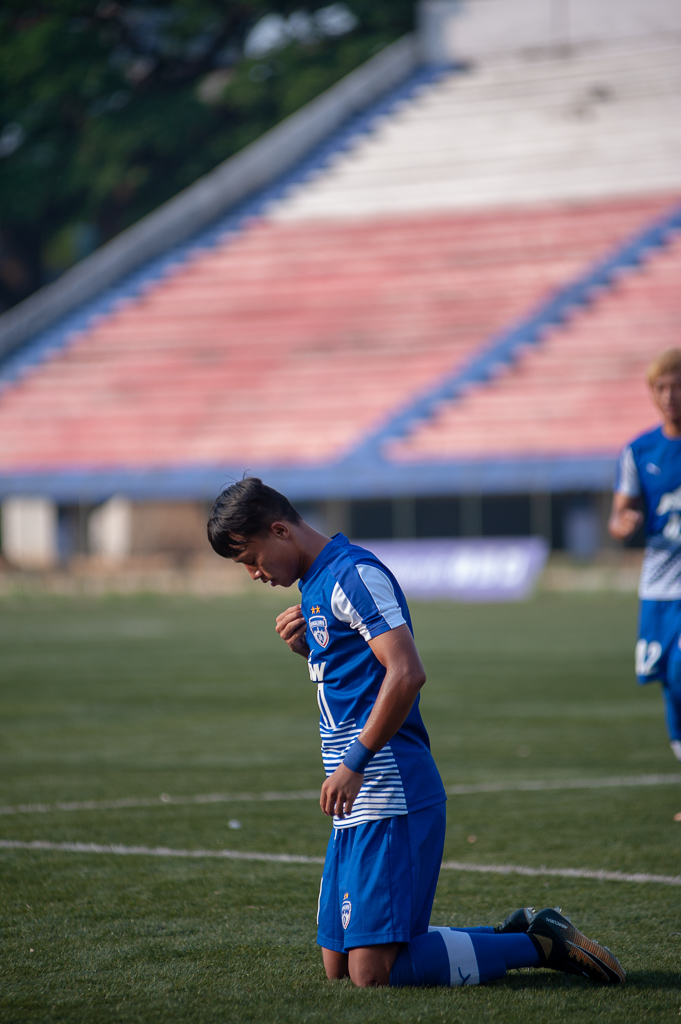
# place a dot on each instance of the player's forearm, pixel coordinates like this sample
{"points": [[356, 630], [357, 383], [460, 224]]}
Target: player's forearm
{"points": [[394, 702]]}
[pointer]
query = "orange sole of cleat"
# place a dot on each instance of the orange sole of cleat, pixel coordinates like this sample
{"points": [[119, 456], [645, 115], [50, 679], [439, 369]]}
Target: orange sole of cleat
{"points": [[595, 959]]}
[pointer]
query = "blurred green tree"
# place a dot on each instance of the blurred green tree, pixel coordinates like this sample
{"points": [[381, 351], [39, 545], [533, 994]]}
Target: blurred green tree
{"points": [[109, 108]]}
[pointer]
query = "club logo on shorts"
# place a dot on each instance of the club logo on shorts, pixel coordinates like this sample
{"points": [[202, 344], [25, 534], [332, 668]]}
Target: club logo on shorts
{"points": [[320, 629], [346, 910]]}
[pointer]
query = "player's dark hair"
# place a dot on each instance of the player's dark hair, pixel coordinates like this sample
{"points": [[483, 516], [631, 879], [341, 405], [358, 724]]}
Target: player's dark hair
{"points": [[244, 510]]}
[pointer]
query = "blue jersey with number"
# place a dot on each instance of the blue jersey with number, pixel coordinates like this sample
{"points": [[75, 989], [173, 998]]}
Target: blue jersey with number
{"points": [[348, 597], [650, 469]]}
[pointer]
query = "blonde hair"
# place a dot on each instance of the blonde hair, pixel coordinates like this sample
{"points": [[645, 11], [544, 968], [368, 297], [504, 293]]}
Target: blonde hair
{"points": [[668, 361]]}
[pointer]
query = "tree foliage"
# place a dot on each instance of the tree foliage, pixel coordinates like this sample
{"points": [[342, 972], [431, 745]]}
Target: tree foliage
{"points": [[109, 108]]}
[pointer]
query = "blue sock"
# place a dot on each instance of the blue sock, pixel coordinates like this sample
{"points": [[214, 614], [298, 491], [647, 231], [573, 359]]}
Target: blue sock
{"points": [[497, 954], [452, 956]]}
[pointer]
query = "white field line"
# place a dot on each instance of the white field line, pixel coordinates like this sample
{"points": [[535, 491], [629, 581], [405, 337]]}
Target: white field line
{"points": [[599, 876], [157, 851], [289, 858], [533, 785], [160, 801]]}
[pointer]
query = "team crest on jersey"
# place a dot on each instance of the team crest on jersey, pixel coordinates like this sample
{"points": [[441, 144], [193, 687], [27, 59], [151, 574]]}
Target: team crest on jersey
{"points": [[320, 629], [346, 910]]}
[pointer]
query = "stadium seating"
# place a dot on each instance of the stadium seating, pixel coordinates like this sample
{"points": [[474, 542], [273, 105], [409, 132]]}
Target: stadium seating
{"points": [[581, 391], [582, 124], [288, 344]]}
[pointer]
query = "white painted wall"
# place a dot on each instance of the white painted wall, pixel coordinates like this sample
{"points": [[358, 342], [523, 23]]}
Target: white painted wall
{"points": [[586, 124], [606, 20], [109, 529], [472, 29], [29, 532]]}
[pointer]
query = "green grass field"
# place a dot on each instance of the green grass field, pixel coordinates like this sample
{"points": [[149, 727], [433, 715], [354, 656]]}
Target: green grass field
{"points": [[122, 698]]}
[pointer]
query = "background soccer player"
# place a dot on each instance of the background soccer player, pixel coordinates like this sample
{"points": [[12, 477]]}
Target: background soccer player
{"points": [[382, 787], [648, 493]]}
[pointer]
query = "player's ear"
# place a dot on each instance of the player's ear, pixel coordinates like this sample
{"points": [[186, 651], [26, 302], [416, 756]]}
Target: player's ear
{"points": [[281, 529]]}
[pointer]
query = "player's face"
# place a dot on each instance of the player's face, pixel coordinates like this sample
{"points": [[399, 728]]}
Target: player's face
{"points": [[666, 390], [271, 557]]}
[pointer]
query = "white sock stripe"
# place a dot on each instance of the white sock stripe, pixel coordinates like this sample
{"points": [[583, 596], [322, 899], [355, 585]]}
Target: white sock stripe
{"points": [[463, 963], [290, 858], [609, 782], [676, 748]]}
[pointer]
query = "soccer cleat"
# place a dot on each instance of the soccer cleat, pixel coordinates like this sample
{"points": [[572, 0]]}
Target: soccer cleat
{"points": [[518, 921], [564, 948]]}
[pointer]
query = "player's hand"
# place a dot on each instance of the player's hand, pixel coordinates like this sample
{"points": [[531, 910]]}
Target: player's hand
{"points": [[625, 523], [339, 792], [291, 627]]}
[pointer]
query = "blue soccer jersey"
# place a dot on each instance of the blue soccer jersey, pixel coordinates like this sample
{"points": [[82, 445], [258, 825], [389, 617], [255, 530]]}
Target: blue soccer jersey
{"points": [[650, 468], [348, 597]]}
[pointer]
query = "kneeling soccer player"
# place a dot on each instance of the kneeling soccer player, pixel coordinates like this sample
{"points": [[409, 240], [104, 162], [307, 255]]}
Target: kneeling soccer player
{"points": [[382, 787]]}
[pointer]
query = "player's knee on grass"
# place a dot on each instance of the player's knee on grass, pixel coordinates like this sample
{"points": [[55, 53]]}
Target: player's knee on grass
{"points": [[335, 964], [370, 966]]}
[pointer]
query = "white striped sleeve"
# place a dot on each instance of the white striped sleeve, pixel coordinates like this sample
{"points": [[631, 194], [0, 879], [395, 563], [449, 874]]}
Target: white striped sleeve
{"points": [[380, 608], [382, 593], [628, 482], [344, 610]]}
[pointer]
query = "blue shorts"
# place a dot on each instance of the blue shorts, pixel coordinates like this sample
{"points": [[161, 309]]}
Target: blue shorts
{"points": [[657, 649], [379, 880], [658, 656]]}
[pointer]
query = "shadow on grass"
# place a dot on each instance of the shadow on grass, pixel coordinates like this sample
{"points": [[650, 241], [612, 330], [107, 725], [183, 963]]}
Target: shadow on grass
{"points": [[538, 980], [655, 979]]}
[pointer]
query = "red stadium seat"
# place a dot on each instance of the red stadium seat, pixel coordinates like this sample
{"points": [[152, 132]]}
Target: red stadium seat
{"points": [[582, 391], [289, 343]]}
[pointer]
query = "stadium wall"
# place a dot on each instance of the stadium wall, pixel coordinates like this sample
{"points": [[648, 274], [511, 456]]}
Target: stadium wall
{"points": [[39, 533], [473, 29]]}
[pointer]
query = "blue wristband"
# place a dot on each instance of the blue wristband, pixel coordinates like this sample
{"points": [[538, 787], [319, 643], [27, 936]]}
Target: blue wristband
{"points": [[358, 757]]}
